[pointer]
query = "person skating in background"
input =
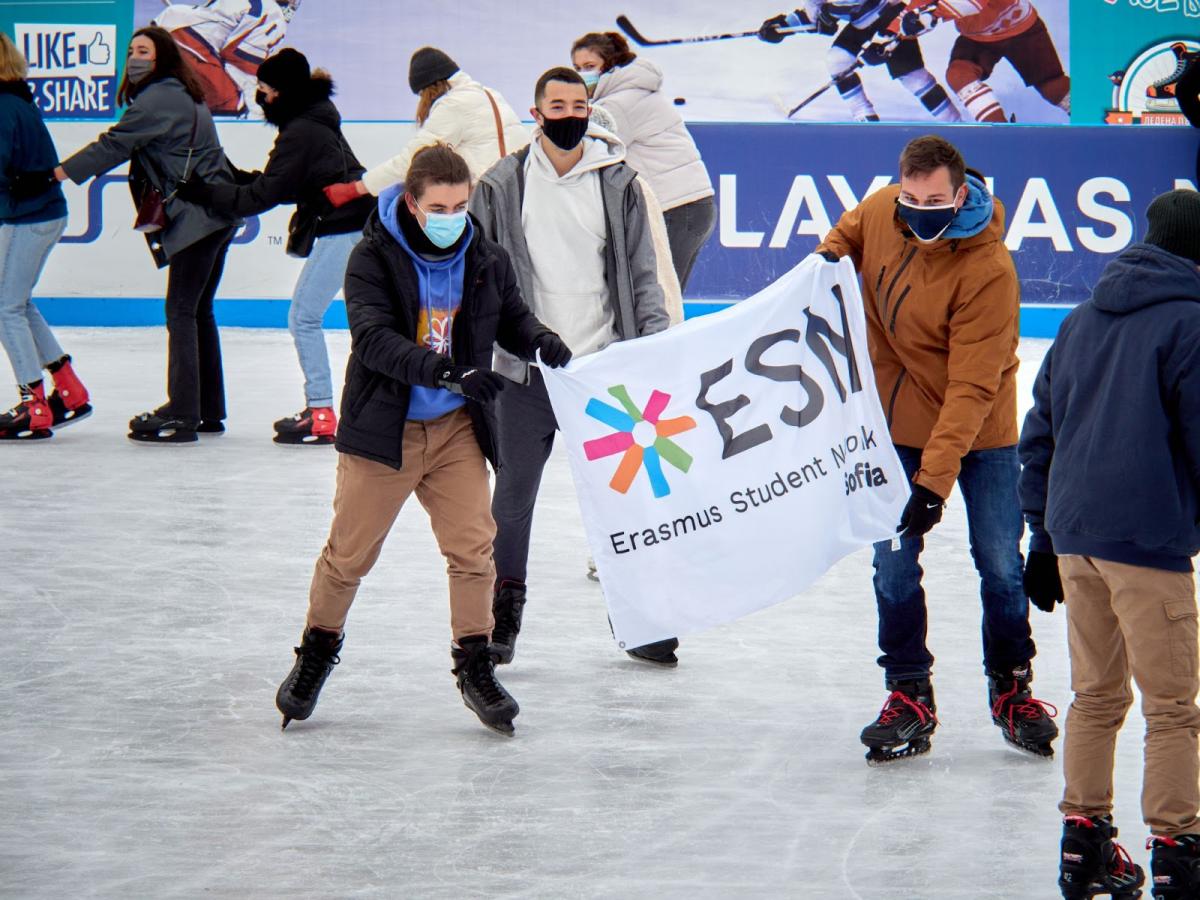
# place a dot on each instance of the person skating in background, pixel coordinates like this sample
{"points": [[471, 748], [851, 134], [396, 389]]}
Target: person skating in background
{"points": [[225, 41], [865, 38], [942, 302], [991, 31], [33, 214], [657, 143], [452, 109], [1117, 404], [427, 295], [309, 154], [572, 217], [168, 135]]}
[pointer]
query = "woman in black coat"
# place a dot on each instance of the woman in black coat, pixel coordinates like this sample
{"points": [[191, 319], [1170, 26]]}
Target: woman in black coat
{"points": [[309, 153]]}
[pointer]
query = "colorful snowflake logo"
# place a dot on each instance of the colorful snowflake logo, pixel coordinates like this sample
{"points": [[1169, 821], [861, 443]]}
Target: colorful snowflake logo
{"points": [[643, 436]]}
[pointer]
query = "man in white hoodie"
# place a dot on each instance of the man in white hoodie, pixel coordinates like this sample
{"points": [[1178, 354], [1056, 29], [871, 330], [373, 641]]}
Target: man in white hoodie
{"points": [[573, 219]]}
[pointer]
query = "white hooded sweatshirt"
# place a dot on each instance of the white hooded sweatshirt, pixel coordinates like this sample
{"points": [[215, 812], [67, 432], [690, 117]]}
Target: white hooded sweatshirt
{"points": [[565, 229]]}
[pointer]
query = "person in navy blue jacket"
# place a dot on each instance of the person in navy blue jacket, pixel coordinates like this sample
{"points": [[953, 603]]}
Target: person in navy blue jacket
{"points": [[33, 215], [1111, 491]]}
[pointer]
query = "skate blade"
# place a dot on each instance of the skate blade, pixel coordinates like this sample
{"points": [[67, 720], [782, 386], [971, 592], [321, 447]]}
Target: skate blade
{"points": [[165, 436], [37, 434], [308, 440], [672, 663], [1038, 751], [881, 756], [286, 720], [504, 728]]}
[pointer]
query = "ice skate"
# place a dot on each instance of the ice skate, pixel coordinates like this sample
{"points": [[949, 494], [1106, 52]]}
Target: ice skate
{"points": [[161, 428], [309, 426], [660, 653], [1175, 867], [1025, 722], [1093, 863], [905, 723], [315, 658], [507, 609], [69, 400], [211, 427], [29, 420], [475, 667]]}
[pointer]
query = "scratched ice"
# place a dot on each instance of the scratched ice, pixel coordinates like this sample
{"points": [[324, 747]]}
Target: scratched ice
{"points": [[152, 596]]}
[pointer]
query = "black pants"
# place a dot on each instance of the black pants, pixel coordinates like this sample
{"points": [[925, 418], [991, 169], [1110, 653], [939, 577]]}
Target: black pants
{"points": [[688, 228], [195, 381]]}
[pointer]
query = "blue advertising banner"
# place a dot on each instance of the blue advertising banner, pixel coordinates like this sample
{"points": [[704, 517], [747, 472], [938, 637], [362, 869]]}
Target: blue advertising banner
{"points": [[1073, 197]]}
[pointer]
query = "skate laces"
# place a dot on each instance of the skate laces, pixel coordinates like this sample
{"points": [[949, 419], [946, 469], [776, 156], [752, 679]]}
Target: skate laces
{"points": [[894, 706], [483, 676], [312, 666], [1123, 859], [1155, 840], [1030, 708]]}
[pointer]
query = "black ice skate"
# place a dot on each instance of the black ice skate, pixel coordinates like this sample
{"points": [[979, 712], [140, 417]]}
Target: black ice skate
{"points": [[162, 428], [1093, 863], [904, 725], [1175, 867], [311, 427], [315, 658], [1160, 95], [475, 666], [660, 653], [1027, 723], [507, 608]]}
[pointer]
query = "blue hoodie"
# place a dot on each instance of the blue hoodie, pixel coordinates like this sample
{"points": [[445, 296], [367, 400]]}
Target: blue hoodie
{"points": [[975, 213], [25, 146], [441, 287], [1111, 448]]}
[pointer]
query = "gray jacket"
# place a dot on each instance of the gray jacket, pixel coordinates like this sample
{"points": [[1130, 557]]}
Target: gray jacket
{"points": [[157, 126], [630, 264]]}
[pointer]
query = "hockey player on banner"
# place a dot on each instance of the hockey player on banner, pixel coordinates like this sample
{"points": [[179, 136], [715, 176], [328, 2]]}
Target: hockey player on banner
{"points": [[864, 40], [225, 41], [991, 31]]}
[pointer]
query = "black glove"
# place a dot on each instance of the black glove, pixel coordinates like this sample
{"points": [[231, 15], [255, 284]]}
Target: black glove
{"points": [[1043, 587], [555, 353], [27, 185], [193, 190], [921, 513], [877, 52], [915, 23], [770, 31], [480, 385], [828, 255]]}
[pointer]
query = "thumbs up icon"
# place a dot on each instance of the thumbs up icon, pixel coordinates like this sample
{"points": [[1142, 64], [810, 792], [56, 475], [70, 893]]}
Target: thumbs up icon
{"points": [[98, 52]]}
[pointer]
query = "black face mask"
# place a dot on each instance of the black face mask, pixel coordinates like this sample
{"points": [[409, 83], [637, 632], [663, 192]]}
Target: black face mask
{"points": [[261, 99], [565, 133]]}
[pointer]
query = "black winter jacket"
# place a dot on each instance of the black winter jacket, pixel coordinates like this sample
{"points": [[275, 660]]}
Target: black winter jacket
{"points": [[310, 153], [382, 306], [1111, 448]]}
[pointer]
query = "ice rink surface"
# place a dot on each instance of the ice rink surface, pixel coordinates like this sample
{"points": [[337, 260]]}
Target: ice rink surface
{"points": [[152, 595]]}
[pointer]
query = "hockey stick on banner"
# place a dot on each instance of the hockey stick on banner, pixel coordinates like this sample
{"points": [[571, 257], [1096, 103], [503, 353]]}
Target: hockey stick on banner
{"points": [[642, 41]]}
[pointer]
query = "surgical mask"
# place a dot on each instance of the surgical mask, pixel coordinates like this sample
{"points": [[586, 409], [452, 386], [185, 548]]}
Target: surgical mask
{"points": [[590, 77], [443, 229], [927, 223], [138, 69], [565, 133]]}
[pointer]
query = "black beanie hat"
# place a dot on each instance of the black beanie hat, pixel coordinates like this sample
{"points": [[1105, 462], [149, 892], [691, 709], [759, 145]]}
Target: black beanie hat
{"points": [[429, 64], [1174, 219], [286, 71]]}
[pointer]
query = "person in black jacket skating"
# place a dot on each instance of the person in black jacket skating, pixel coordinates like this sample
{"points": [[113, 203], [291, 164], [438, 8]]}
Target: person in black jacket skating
{"points": [[309, 154], [1111, 490], [426, 296]]}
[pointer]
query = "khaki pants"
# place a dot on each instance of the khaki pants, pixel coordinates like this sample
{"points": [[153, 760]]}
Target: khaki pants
{"points": [[1124, 620], [444, 467]]}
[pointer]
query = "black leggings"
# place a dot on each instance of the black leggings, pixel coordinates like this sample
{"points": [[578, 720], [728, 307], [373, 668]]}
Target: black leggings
{"points": [[195, 381]]}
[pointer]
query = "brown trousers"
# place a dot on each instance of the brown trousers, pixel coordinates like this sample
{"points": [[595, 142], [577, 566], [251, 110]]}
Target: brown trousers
{"points": [[444, 467], [1124, 620]]}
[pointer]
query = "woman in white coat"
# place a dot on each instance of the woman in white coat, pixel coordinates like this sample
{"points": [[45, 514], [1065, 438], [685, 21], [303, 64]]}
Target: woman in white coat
{"points": [[656, 140], [452, 109]]}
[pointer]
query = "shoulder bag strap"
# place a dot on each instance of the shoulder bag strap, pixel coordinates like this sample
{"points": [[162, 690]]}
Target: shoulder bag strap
{"points": [[499, 124]]}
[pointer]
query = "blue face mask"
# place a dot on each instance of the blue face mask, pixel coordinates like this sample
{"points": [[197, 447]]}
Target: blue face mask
{"points": [[590, 78], [927, 223], [443, 229]]}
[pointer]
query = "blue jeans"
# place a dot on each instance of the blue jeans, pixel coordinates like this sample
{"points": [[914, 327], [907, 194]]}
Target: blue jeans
{"points": [[988, 480], [319, 281], [24, 333]]}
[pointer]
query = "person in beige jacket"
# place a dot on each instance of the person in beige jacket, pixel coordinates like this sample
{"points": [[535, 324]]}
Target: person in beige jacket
{"points": [[453, 109]]}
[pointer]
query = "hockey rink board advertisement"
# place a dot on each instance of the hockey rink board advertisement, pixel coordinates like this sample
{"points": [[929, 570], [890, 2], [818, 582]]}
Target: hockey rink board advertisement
{"points": [[696, 453]]}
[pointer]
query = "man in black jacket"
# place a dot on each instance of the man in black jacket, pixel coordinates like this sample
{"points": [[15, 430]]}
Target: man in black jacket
{"points": [[427, 296], [309, 153], [1111, 490]]}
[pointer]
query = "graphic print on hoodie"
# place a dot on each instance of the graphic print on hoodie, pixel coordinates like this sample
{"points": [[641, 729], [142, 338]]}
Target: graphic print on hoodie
{"points": [[440, 282]]}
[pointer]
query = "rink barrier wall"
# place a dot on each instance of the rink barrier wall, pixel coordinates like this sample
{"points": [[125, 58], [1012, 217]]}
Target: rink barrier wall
{"points": [[1037, 320]]}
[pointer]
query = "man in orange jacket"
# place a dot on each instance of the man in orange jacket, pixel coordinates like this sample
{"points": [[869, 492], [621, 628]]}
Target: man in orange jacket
{"points": [[942, 304]]}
